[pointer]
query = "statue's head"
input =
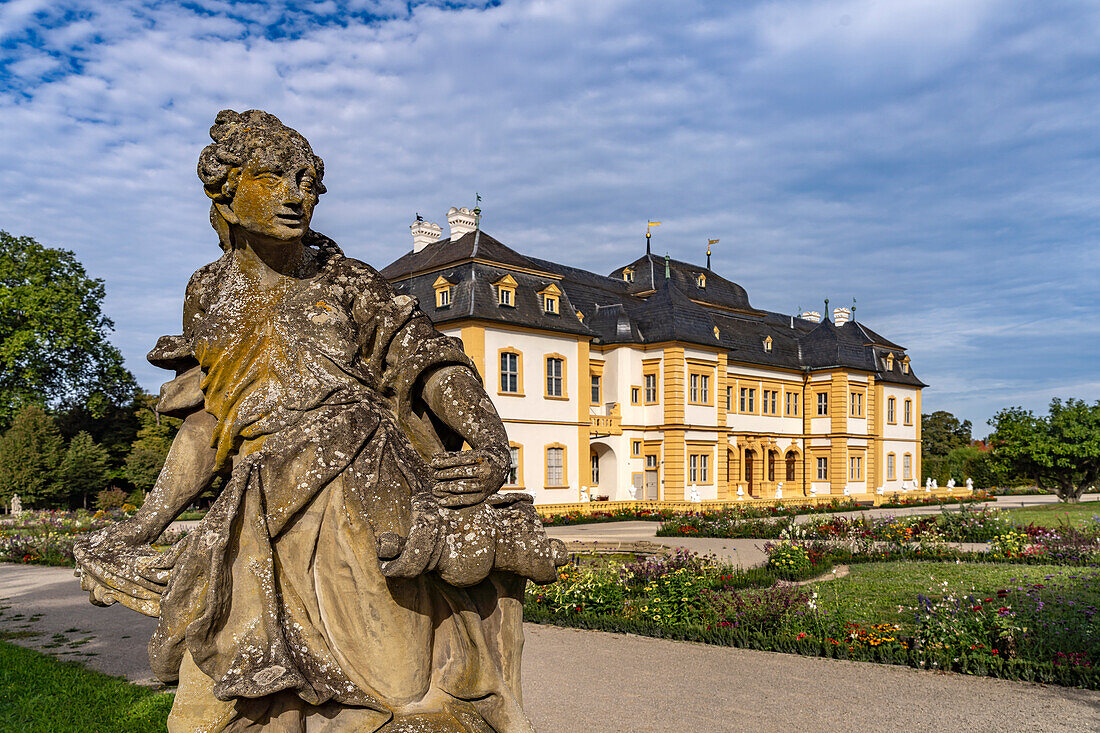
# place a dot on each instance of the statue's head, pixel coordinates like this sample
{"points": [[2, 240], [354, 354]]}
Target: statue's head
{"points": [[261, 175]]}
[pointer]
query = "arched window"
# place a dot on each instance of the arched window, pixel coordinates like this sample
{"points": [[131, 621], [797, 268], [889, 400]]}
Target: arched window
{"points": [[771, 465], [792, 462]]}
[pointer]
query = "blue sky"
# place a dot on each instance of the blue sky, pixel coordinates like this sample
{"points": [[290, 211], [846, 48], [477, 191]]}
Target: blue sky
{"points": [[936, 160]]}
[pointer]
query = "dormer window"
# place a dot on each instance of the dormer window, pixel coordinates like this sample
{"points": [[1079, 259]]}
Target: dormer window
{"points": [[551, 296], [443, 293], [580, 316], [628, 275], [716, 332], [700, 280], [889, 362], [768, 343], [506, 291], [905, 365]]}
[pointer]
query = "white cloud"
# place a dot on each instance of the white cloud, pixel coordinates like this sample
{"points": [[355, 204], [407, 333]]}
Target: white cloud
{"points": [[934, 160]]}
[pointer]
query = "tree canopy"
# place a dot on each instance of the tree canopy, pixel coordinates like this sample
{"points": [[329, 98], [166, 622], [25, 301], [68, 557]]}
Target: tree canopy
{"points": [[54, 348], [31, 452], [1060, 451], [941, 432]]}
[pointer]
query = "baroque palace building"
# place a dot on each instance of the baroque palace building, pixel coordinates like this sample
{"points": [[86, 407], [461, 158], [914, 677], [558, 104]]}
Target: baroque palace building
{"points": [[661, 381]]}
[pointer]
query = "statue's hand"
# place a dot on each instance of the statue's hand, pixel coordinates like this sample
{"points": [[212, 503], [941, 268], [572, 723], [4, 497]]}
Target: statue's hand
{"points": [[466, 478]]}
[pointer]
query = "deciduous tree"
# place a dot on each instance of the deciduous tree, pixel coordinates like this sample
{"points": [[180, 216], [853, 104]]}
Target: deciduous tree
{"points": [[1060, 451], [54, 348]]}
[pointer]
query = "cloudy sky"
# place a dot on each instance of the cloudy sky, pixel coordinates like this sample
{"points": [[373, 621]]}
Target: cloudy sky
{"points": [[936, 160]]}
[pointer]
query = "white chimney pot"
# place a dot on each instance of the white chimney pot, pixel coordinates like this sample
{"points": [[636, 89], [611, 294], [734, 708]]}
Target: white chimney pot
{"points": [[425, 233], [810, 316], [842, 315], [461, 220]]}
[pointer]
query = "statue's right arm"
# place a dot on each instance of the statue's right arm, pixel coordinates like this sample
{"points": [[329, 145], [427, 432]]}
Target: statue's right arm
{"points": [[189, 468], [188, 472]]}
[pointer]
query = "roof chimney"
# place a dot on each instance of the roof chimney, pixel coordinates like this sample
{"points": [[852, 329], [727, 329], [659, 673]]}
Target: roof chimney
{"points": [[842, 315], [810, 316], [425, 233], [462, 221]]}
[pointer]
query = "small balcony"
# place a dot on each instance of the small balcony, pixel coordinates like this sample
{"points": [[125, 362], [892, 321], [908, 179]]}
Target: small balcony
{"points": [[609, 423]]}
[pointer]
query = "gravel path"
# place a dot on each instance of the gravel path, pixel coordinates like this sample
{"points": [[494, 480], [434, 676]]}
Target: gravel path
{"points": [[579, 681]]}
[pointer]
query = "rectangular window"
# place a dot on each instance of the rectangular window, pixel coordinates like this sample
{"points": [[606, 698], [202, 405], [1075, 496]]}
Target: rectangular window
{"points": [[822, 469], [694, 387], [909, 412], [555, 466], [855, 468], [822, 403], [554, 381], [792, 403], [513, 465], [550, 304], [443, 298], [505, 296], [651, 461], [891, 410], [907, 467], [693, 468], [650, 389], [704, 468], [635, 447], [748, 399], [635, 395], [595, 469], [769, 402], [596, 389], [890, 468], [857, 404], [729, 398], [704, 389], [509, 372]]}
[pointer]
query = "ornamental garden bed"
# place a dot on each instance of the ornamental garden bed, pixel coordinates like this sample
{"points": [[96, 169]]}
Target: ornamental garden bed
{"points": [[620, 514], [1016, 617], [47, 537]]}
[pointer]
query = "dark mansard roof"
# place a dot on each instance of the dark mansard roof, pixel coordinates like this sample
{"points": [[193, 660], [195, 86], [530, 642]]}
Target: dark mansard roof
{"points": [[650, 308]]}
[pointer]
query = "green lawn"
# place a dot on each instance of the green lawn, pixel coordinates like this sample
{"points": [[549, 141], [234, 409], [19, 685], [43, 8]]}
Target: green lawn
{"points": [[874, 592], [39, 694], [1051, 515]]}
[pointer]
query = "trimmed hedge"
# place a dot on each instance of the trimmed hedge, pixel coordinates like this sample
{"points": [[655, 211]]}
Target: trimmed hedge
{"points": [[1011, 669]]}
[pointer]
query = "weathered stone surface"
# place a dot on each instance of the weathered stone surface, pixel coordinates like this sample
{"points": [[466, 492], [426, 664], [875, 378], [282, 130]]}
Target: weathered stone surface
{"points": [[358, 570]]}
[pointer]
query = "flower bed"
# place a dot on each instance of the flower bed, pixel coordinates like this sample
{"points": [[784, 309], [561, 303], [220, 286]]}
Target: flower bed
{"points": [[745, 512], [47, 537], [1045, 631]]}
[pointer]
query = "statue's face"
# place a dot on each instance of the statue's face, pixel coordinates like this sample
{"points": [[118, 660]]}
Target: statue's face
{"points": [[276, 193]]}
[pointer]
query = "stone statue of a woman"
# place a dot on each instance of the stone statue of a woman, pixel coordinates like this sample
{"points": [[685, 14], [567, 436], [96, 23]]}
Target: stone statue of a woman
{"points": [[358, 570]]}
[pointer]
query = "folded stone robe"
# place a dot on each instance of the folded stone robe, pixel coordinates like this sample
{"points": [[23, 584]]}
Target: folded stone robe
{"points": [[280, 587]]}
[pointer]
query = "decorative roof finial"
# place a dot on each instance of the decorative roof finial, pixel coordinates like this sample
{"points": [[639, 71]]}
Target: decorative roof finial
{"points": [[648, 235], [853, 310], [477, 210], [668, 268], [827, 310]]}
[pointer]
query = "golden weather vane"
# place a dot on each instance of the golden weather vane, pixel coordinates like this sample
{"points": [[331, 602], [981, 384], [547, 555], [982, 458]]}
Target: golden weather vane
{"points": [[648, 225]]}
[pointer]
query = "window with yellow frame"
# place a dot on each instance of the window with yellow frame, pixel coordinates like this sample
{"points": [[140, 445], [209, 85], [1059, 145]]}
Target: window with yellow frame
{"points": [[514, 480], [555, 381], [510, 363], [556, 475]]}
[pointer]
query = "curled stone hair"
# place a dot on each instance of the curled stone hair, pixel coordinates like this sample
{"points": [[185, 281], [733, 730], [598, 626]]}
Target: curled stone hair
{"points": [[236, 136]]}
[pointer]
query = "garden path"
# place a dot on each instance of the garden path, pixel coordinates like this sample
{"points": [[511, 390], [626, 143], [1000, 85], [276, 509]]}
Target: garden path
{"points": [[579, 681]]}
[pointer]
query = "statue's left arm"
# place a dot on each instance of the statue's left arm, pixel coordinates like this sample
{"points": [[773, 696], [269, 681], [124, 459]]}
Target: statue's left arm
{"points": [[456, 397]]}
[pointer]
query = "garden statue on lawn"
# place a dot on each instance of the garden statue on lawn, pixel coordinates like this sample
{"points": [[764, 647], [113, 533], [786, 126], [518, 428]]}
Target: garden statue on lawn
{"points": [[358, 571], [16, 505]]}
